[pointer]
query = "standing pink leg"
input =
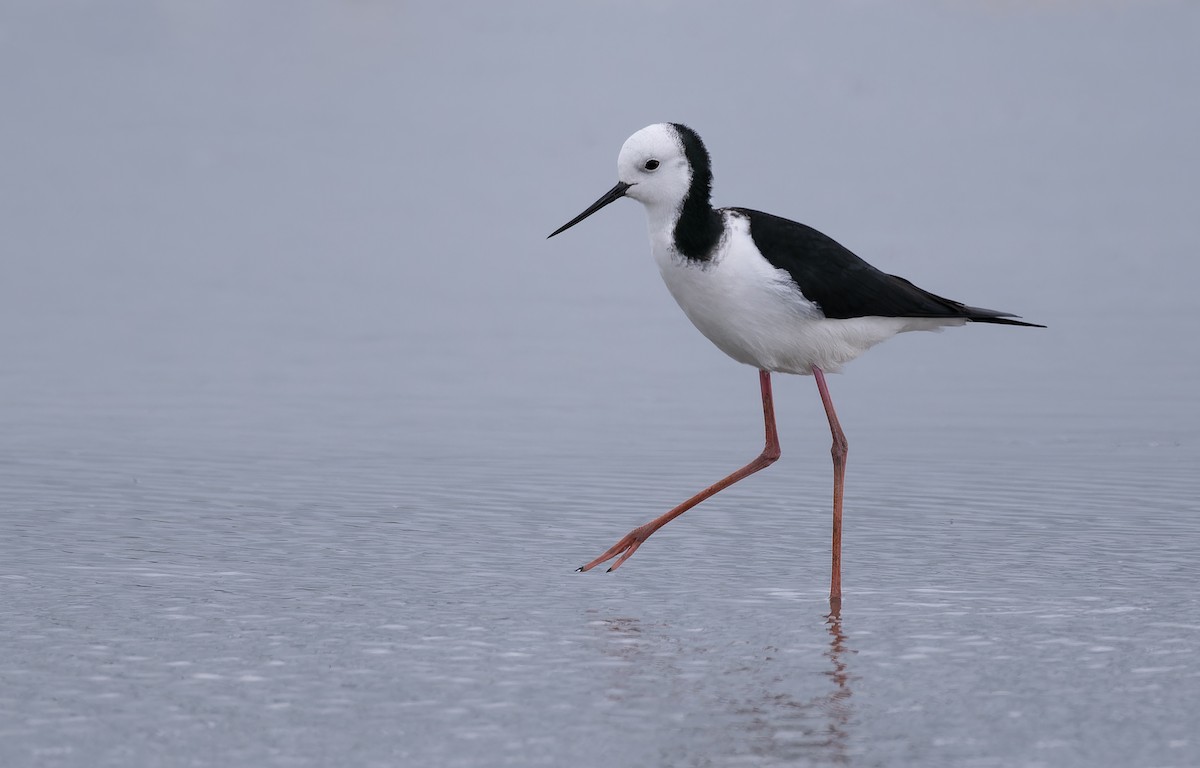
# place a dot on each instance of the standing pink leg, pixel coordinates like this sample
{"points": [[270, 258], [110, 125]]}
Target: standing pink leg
{"points": [[840, 449], [628, 545]]}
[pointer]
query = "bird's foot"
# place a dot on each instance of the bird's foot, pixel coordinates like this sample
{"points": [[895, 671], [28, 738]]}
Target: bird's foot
{"points": [[625, 548]]}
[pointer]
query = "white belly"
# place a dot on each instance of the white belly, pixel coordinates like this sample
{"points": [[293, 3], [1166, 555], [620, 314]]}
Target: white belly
{"points": [[755, 314]]}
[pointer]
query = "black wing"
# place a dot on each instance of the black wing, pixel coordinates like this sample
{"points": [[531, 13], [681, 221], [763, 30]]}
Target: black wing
{"points": [[845, 286]]}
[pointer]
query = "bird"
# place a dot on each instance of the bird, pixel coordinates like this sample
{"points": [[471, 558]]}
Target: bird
{"points": [[768, 292]]}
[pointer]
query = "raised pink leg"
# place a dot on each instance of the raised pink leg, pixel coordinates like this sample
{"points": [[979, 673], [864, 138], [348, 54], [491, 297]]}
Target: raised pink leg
{"points": [[628, 545], [840, 449]]}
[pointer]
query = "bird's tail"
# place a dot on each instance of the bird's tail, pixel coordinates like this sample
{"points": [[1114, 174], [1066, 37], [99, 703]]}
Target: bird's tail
{"points": [[980, 315], [940, 306]]}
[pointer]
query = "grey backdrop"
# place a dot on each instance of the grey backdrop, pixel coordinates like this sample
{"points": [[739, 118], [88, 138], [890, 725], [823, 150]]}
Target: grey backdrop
{"points": [[304, 425]]}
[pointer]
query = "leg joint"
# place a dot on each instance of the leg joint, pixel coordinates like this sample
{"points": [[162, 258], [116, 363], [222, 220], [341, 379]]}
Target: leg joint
{"points": [[840, 448]]}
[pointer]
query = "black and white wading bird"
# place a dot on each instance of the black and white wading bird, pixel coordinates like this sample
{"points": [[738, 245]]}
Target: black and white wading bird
{"points": [[769, 292]]}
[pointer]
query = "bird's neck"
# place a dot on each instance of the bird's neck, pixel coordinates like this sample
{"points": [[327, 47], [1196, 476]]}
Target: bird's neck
{"points": [[693, 229]]}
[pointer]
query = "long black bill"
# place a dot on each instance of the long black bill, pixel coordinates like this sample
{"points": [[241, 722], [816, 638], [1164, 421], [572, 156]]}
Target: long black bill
{"points": [[615, 193]]}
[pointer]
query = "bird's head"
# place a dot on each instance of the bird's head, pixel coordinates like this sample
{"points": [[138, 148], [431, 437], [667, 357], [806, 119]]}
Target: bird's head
{"points": [[660, 166], [655, 166]]}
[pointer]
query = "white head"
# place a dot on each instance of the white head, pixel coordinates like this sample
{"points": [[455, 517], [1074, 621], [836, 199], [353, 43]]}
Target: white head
{"points": [[661, 166], [655, 166]]}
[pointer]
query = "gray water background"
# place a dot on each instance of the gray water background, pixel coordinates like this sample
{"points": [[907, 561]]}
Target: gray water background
{"points": [[304, 426]]}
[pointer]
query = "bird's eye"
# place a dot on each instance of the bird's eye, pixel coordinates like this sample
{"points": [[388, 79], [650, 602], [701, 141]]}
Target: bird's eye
{"points": [[651, 165]]}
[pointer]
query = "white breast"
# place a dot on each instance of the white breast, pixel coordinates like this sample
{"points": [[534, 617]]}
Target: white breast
{"points": [[757, 315]]}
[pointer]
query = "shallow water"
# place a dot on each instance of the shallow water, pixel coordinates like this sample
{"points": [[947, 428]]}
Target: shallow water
{"points": [[304, 428]]}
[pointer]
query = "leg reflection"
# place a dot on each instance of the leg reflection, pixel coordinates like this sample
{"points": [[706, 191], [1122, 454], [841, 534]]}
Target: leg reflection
{"points": [[789, 707], [838, 706]]}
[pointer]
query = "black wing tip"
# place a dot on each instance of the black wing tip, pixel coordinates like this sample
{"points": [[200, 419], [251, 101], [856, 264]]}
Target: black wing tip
{"points": [[994, 316], [1003, 319]]}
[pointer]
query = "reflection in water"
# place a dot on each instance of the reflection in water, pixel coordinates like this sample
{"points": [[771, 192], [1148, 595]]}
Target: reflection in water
{"points": [[815, 729], [762, 720], [838, 705]]}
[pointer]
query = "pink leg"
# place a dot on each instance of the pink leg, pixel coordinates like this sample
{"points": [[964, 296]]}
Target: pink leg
{"points": [[840, 449], [628, 545]]}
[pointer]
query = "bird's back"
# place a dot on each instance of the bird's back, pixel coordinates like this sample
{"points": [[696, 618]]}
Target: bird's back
{"points": [[842, 284]]}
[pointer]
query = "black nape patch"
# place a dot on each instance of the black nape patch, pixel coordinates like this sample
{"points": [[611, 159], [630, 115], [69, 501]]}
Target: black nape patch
{"points": [[699, 227]]}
